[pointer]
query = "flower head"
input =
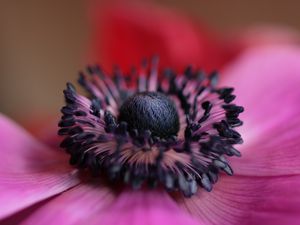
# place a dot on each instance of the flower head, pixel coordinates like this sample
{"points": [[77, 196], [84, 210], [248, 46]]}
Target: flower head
{"points": [[264, 189], [37, 186], [175, 131]]}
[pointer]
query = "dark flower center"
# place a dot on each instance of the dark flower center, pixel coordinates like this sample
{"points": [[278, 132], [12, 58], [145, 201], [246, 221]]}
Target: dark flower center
{"points": [[152, 111], [176, 132]]}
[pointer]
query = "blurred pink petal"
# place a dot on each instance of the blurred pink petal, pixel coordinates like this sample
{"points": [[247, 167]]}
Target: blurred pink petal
{"points": [[249, 200], [148, 207], [30, 171], [267, 84], [264, 189], [275, 153], [76, 206]]}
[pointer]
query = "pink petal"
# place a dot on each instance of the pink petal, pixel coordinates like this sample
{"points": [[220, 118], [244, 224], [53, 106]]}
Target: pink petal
{"points": [[76, 206], [267, 84], [248, 201], [144, 207], [88, 204], [30, 171], [264, 189]]}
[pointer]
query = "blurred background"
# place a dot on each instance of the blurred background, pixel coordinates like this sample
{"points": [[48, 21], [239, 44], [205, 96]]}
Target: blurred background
{"points": [[43, 44]]}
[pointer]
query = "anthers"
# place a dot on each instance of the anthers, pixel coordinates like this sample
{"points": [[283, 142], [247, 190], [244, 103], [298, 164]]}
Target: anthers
{"points": [[156, 128]]}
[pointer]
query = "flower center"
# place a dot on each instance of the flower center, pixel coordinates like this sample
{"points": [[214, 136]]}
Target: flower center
{"points": [[152, 111], [177, 132]]}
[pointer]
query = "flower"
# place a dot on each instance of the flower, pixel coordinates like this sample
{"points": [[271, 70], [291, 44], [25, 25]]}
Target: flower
{"points": [[174, 131], [37, 186], [140, 27], [263, 189]]}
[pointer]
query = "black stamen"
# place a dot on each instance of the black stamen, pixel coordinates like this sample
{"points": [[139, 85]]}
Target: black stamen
{"points": [[134, 134]]}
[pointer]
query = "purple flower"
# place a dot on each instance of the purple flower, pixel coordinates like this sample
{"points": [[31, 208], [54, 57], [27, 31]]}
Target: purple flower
{"points": [[37, 186]]}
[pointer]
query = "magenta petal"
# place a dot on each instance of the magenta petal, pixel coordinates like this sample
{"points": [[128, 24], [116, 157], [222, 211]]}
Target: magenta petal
{"points": [[29, 171], [144, 207], [249, 201], [88, 204], [264, 189], [76, 206], [267, 85]]}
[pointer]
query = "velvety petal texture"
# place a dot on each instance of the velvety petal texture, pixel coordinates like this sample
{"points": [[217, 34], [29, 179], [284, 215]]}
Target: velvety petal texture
{"points": [[248, 200], [264, 189], [267, 85], [147, 207], [77, 206], [29, 171]]}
